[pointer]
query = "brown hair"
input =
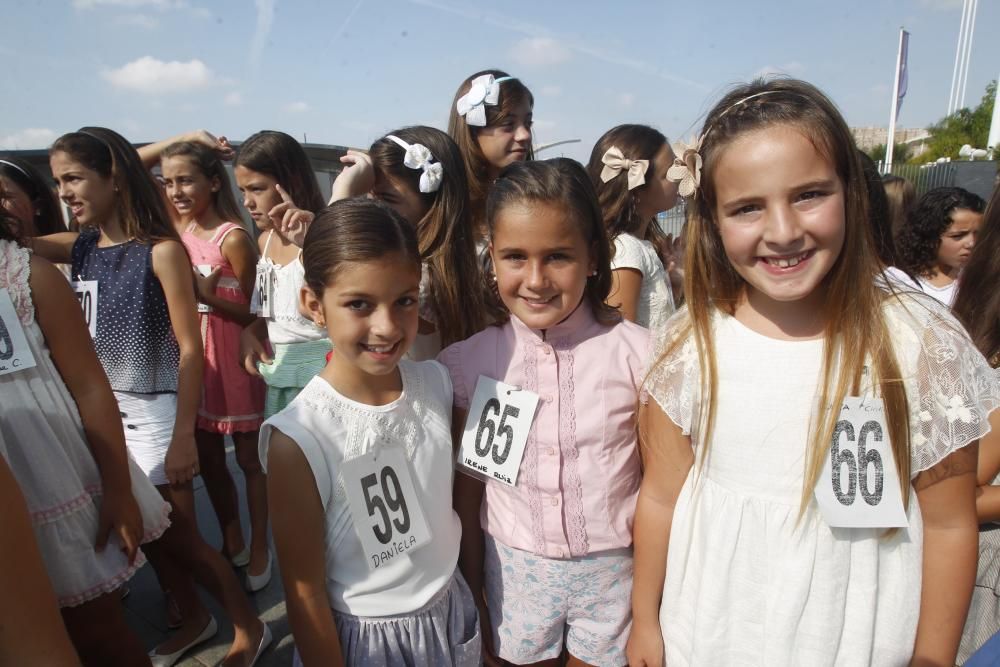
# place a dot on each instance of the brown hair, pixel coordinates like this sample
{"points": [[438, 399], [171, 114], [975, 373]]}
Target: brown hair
{"points": [[138, 200], [48, 215], [856, 333], [208, 163], [513, 94], [900, 194], [564, 183], [445, 234], [354, 230], [281, 157], [977, 303], [618, 203]]}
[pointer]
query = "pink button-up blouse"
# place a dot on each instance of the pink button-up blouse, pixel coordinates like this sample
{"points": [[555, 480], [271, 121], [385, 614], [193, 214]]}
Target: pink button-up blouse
{"points": [[579, 477]]}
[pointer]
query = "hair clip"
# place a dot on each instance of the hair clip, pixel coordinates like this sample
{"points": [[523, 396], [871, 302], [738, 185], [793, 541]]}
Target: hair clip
{"points": [[11, 164], [418, 156], [686, 169], [615, 162], [485, 91]]}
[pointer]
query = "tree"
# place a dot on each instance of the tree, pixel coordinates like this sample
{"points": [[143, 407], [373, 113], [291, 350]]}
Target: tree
{"points": [[965, 126], [900, 153]]}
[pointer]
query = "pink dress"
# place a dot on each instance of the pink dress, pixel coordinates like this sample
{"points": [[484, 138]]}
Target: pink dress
{"points": [[232, 401]]}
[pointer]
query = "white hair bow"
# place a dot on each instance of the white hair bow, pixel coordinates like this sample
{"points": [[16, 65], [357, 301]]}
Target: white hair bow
{"points": [[614, 162], [485, 91], [418, 156]]}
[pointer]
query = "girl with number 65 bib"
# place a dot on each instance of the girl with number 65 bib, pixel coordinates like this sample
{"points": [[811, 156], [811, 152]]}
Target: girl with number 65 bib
{"points": [[810, 449], [360, 463], [548, 403]]}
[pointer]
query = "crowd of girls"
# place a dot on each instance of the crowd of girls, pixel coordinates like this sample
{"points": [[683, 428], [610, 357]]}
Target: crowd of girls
{"points": [[489, 412]]}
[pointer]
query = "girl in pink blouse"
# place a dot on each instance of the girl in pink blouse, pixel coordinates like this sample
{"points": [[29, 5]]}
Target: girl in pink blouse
{"points": [[546, 539]]}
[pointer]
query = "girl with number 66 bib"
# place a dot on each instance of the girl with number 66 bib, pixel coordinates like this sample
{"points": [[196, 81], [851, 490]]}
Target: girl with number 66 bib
{"points": [[548, 402], [810, 449], [360, 463]]}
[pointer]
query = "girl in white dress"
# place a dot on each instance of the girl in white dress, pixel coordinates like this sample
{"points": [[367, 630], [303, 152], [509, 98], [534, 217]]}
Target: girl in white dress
{"points": [[772, 527]]}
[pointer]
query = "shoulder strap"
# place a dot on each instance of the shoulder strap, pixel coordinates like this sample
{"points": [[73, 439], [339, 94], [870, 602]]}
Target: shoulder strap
{"points": [[267, 243], [223, 232]]}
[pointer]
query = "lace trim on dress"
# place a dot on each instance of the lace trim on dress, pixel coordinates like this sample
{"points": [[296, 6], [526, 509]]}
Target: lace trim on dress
{"points": [[673, 382], [530, 461], [576, 525], [17, 266]]}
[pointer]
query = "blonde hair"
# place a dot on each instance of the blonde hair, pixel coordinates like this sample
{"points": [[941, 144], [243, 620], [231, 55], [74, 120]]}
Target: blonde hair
{"points": [[855, 329]]}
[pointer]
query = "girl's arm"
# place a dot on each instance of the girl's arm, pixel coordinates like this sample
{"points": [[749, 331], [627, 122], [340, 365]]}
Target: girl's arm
{"points": [[57, 248], [240, 252], [31, 629], [356, 179], [253, 347], [946, 493], [298, 525], [667, 459], [150, 153], [625, 286], [987, 495], [59, 316], [172, 267]]}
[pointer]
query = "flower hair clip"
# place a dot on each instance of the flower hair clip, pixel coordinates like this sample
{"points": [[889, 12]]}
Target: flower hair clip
{"points": [[485, 91], [615, 163], [418, 156], [686, 169]]}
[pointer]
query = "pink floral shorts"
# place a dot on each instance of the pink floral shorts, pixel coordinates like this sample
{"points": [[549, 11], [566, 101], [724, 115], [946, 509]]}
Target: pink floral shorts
{"points": [[537, 605]]}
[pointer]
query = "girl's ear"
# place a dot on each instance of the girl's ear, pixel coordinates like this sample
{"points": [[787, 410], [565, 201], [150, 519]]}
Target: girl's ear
{"points": [[311, 306], [216, 184], [592, 266]]}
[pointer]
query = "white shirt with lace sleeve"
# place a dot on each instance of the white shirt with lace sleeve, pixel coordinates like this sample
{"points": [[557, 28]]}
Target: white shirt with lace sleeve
{"points": [[656, 302]]}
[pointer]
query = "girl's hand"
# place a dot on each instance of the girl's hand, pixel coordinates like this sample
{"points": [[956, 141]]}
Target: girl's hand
{"points": [[181, 464], [645, 645], [290, 221], [672, 255], [220, 145], [253, 350], [120, 513], [205, 285], [357, 179]]}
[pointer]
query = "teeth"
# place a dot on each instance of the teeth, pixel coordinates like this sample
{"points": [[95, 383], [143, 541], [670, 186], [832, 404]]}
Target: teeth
{"points": [[785, 262], [379, 349]]}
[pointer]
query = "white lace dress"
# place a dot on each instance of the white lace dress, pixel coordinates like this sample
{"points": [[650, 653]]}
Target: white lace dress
{"points": [[750, 583], [656, 301], [42, 439]]}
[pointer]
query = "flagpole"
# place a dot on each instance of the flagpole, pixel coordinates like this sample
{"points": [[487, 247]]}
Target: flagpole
{"points": [[891, 137], [959, 50]]}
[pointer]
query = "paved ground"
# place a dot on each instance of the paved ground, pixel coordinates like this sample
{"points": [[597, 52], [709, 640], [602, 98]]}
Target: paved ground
{"points": [[145, 611]]}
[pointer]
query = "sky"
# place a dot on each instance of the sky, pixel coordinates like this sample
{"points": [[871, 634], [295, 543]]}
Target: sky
{"points": [[347, 71]]}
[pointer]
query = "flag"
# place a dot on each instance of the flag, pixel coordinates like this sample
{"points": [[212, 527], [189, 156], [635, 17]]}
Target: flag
{"points": [[904, 43]]}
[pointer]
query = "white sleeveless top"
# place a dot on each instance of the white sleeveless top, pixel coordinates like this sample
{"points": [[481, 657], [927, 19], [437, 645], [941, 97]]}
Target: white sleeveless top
{"points": [[656, 301], [286, 324], [331, 428]]}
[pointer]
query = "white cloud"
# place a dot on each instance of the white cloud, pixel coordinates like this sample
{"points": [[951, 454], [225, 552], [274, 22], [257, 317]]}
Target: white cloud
{"points": [[296, 107], [150, 76], [265, 21], [32, 137], [233, 99], [539, 52], [550, 91], [793, 68]]}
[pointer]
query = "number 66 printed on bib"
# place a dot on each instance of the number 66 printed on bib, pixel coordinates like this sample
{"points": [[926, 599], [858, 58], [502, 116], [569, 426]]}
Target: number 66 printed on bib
{"points": [[496, 430], [859, 485]]}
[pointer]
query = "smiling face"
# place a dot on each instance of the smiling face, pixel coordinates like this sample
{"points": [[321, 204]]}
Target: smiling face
{"points": [[370, 311], [780, 213], [958, 240], [260, 194], [542, 262], [402, 198], [89, 195], [508, 141], [189, 191]]}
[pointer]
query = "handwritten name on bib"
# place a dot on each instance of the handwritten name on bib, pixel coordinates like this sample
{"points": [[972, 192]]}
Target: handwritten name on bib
{"points": [[496, 430]]}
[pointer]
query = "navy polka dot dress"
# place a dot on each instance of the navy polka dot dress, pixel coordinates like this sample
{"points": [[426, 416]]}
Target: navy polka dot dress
{"points": [[135, 341]]}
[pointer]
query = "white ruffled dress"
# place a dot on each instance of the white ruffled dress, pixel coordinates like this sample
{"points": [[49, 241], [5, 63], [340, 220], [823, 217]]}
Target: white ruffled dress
{"points": [[747, 581], [42, 439]]}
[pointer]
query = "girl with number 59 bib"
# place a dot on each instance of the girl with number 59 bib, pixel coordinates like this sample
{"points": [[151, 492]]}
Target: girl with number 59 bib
{"points": [[551, 398], [360, 463], [809, 451]]}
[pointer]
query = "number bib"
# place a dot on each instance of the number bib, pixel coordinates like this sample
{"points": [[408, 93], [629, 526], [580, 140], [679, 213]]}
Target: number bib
{"points": [[15, 355], [384, 505], [264, 289], [859, 486], [496, 430], [205, 270], [86, 294]]}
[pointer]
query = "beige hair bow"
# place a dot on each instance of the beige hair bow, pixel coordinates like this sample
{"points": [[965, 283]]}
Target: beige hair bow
{"points": [[614, 162]]}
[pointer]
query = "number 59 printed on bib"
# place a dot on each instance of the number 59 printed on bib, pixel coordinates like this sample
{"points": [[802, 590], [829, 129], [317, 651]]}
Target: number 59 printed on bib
{"points": [[859, 486]]}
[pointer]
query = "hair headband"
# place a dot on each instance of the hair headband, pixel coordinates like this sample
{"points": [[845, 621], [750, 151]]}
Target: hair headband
{"points": [[615, 162], [686, 169], [418, 156], [20, 169], [485, 91]]}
